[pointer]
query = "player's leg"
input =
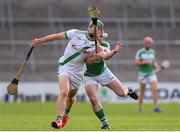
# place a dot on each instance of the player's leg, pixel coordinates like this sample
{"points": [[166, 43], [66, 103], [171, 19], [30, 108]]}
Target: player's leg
{"points": [[154, 86], [121, 90], [69, 103], [92, 92], [141, 96], [64, 84], [76, 81], [108, 79], [70, 100], [118, 87]]}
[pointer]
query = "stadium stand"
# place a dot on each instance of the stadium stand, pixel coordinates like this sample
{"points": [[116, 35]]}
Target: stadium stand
{"points": [[129, 21]]}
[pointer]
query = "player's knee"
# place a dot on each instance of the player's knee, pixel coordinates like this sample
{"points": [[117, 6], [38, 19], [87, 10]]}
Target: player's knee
{"points": [[122, 93], [64, 92]]}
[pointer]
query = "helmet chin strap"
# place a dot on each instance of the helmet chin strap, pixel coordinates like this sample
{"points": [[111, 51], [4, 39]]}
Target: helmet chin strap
{"points": [[91, 35]]}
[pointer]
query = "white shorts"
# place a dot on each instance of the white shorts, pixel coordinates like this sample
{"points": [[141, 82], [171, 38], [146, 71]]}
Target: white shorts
{"points": [[105, 78], [147, 78], [76, 79]]}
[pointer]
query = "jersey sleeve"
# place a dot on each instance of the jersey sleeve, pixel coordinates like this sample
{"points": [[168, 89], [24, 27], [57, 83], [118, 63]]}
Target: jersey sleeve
{"points": [[155, 59], [154, 53], [137, 56], [70, 33]]}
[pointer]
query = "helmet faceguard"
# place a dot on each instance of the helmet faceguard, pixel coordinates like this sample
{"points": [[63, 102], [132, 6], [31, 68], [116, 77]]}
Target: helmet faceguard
{"points": [[100, 27], [99, 24]]}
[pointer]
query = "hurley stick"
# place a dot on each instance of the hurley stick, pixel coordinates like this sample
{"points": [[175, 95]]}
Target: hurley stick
{"points": [[94, 14], [12, 88]]}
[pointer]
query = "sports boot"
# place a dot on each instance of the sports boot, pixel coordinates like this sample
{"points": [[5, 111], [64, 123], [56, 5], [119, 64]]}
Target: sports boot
{"points": [[57, 124], [132, 94], [65, 119]]}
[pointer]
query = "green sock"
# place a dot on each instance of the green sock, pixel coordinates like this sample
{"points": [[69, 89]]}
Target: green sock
{"points": [[59, 117], [102, 117], [66, 111]]}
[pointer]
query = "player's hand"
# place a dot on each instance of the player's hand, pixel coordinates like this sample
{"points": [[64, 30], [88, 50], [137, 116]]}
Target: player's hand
{"points": [[35, 42], [117, 47], [93, 59], [97, 57]]}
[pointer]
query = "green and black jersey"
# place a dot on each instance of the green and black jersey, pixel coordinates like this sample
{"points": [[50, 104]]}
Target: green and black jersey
{"points": [[97, 68]]}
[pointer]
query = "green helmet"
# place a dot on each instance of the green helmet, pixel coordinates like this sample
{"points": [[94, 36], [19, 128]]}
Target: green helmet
{"points": [[99, 24]]}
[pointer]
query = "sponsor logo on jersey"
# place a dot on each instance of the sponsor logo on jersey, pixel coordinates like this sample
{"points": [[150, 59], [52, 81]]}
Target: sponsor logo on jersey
{"points": [[74, 47]]}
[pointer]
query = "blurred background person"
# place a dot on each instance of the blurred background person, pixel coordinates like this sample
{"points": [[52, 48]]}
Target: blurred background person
{"points": [[145, 59]]}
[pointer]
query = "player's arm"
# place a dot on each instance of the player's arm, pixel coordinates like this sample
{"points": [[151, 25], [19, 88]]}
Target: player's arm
{"points": [[102, 48], [141, 62], [94, 58], [105, 53], [49, 38], [157, 67]]}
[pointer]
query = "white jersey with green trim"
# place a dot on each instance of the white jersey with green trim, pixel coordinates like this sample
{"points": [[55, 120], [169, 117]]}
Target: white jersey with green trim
{"points": [[77, 50]]}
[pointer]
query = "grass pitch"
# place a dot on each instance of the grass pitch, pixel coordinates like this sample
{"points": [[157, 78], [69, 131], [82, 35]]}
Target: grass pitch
{"points": [[122, 117]]}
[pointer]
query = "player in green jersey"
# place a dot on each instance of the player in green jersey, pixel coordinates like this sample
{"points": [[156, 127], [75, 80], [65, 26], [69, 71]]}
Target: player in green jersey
{"points": [[145, 59], [98, 73]]}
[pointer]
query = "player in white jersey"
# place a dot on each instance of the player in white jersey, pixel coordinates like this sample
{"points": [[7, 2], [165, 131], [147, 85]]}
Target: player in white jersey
{"points": [[98, 73], [71, 65]]}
